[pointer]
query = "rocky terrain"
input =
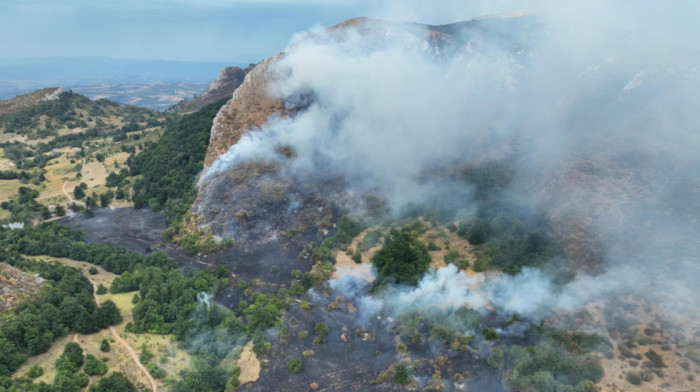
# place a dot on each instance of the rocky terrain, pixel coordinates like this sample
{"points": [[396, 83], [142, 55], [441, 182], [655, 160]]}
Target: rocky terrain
{"points": [[16, 285], [226, 82]]}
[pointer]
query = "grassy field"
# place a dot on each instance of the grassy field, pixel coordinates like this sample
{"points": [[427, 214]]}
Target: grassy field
{"points": [[167, 355]]}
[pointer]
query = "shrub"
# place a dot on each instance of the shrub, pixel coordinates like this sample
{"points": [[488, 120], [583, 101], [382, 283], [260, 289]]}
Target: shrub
{"points": [[303, 334], [35, 371], [496, 357], [94, 367], [101, 289], [92, 271], [403, 374], [308, 353], [634, 378], [489, 334], [401, 348], [403, 258], [295, 366], [104, 346]]}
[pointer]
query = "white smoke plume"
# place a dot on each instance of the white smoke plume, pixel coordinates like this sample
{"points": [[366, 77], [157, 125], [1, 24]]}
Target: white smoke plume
{"points": [[600, 80]]}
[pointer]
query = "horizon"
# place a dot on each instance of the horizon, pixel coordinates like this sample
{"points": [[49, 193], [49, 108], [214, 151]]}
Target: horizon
{"points": [[239, 31]]}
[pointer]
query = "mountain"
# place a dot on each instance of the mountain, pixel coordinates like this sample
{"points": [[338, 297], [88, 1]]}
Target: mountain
{"points": [[156, 84], [29, 100], [61, 150], [552, 177], [226, 82], [501, 204]]}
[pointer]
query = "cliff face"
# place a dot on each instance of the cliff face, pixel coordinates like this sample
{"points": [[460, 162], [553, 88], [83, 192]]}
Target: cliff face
{"points": [[259, 201], [29, 100], [594, 188], [226, 82], [250, 107]]}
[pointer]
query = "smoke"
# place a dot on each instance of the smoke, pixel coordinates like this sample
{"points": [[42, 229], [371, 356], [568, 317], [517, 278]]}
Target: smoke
{"points": [[596, 103]]}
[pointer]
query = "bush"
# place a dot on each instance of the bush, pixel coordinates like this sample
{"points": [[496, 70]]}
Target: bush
{"points": [[496, 357], [35, 371], [403, 258], [92, 271], [112, 383], [262, 347], [94, 367], [489, 334], [104, 346], [308, 353], [101, 289], [634, 378], [403, 374], [295, 366]]}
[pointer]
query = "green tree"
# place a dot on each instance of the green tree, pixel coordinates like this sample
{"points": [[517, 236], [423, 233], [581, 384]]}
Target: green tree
{"points": [[104, 346], [295, 365], [78, 193], [115, 382], [403, 258], [74, 353], [35, 371], [94, 367]]}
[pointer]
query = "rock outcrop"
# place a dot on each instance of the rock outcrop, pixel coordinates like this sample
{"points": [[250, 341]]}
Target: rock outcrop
{"points": [[226, 82]]}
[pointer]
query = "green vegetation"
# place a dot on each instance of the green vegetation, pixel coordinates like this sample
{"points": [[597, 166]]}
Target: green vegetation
{"points": [[35, 371], [24, 208], [403, 374], [489, 334], [115, 382], [497, 357], [63, 305], [295, 365], [509, 235], [546, 367], [94, 367], [56, 240], [170, 166], [402, 259], [446, 325]]}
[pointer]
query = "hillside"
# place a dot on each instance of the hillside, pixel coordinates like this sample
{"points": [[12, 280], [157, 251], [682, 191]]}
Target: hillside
{"points": [[500, 205], [339, 123], [52, 146]]}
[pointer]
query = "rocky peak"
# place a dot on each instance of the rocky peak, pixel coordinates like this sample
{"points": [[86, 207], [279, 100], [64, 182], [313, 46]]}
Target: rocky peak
{"points": [[226, 82]]}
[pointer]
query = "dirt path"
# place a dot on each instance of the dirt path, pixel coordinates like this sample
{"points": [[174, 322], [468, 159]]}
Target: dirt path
{"points": [[125, 344], [63, 188]]}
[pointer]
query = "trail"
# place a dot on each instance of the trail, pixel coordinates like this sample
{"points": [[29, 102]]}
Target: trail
{"points": [[63, 188], [125, 344]]}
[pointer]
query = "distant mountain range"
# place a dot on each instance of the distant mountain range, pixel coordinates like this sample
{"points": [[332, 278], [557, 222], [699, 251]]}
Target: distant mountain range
{"points": [[156, 84]]}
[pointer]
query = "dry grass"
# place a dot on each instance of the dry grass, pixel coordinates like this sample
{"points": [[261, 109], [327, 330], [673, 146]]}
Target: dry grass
{"points": [[447, 241], [94, 174], [249, 364], [166, 353], [8, 188], [344, 265], [672, 342]]}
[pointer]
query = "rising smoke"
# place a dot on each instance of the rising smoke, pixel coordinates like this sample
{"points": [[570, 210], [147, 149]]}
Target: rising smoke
{"points": [[615, 85]]}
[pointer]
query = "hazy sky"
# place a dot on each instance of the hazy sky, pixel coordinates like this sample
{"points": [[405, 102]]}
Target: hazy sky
{"points": [[195, 30]]}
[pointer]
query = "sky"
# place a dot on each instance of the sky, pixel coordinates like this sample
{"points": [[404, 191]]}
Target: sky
{"points": [[238, 31]]}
